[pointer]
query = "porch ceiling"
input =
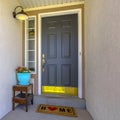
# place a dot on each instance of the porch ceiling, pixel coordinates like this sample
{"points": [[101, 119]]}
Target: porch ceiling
{"points": [[42, 3]]}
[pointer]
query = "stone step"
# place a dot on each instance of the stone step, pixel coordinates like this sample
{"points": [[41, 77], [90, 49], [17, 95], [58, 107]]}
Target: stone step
{"points": [[60, 100]]}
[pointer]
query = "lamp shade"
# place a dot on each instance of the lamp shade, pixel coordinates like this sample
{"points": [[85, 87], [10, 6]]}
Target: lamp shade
{"points": [[21, 15]]}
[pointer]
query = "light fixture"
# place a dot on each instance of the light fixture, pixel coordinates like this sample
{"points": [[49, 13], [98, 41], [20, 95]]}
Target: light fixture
{"points": [[19, 13]]}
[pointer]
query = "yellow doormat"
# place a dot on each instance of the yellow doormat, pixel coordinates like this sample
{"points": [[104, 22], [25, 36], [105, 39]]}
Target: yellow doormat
{"points": [[59, 110]]}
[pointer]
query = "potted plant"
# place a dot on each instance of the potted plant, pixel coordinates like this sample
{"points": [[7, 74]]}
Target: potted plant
{"points": [[23, 75]]}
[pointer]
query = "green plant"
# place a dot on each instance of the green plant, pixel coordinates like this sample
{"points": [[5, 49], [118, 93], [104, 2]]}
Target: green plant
{"points": [[22, 69]]}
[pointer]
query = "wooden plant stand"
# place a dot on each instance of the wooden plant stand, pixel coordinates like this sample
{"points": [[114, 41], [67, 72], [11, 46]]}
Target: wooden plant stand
{"points": [[23, 96]]}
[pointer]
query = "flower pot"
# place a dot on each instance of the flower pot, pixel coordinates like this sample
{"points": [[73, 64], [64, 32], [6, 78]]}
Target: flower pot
{"points": [[23, 78]]}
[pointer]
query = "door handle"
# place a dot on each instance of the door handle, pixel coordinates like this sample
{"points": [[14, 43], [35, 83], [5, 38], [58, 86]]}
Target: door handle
{"points": [[43, 62]]}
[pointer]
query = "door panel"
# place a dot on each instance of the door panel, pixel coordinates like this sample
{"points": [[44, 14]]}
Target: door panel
{"points": [[66, 45], [66, 74], [52, 74], [60, 47], [52, 46]]}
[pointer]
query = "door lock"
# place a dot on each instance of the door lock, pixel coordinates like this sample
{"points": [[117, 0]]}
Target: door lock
{"points": [[43, 62]]}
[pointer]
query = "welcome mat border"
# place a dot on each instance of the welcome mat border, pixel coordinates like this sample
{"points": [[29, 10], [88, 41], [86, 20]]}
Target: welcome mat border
{"points": [[50, 112]]}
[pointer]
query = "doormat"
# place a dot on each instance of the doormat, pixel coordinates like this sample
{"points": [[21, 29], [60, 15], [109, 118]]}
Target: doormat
{"points": [[58, 110]]}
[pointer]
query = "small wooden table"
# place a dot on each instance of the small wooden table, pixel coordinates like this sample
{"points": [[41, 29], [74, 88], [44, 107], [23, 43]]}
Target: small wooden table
{"points": [[23, 96]]}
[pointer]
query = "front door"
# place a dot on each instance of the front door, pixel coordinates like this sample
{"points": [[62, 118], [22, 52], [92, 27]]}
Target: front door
{"points": [[60, 54]]}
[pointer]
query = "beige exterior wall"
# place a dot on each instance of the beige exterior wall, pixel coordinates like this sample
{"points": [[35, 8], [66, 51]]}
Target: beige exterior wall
{"points": [[102, 58], [10, 53]]}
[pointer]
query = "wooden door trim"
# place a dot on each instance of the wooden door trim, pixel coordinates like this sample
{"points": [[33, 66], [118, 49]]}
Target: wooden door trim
{"points": [[75, 11]]}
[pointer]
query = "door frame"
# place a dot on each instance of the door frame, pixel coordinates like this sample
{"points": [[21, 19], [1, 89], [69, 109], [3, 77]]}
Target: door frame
{"points": [[66, 12]]}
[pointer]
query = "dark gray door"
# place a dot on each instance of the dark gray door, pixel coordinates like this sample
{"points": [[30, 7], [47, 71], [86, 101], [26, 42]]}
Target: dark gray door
{"points": [[60, 51]]}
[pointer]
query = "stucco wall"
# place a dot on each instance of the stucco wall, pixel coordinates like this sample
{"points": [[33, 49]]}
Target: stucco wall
{"points": [[10, 53], [102, 58]]}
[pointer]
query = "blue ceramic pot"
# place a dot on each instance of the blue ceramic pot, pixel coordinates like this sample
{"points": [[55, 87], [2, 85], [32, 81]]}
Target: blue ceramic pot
{"points": [[23, 78]]}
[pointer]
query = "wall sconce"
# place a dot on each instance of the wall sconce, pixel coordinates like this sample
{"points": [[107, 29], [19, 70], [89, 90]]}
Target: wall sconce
{"points": [[19, 13]]}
